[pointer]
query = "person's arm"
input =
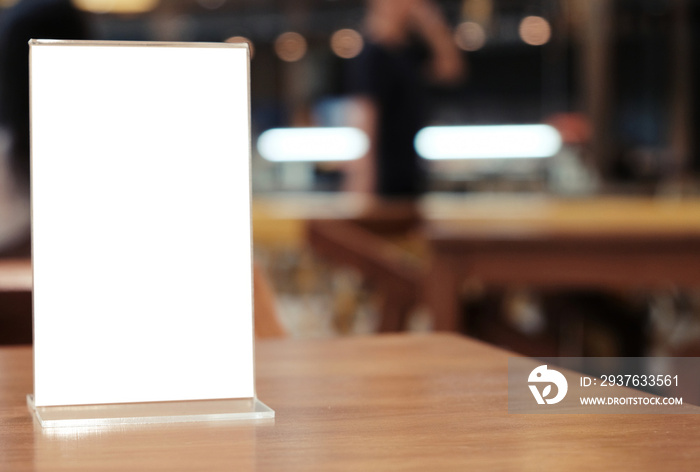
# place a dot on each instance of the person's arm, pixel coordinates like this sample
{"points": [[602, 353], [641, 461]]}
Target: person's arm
{"points": [[448, 64]]}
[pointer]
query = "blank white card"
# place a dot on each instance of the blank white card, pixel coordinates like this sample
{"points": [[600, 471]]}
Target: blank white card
{"points": [[141, 222]]}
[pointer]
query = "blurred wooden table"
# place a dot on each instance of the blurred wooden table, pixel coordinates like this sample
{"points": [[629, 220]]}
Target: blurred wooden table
{"points": [[394, 402], [530, 240], [15, 275], [15, 301], [614, 243]]}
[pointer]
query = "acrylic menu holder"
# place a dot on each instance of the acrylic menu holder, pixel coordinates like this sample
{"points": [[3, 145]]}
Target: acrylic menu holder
{"points": [[141, 233]]}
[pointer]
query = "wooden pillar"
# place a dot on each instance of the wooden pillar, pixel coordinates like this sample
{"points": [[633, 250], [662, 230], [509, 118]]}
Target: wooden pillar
{"points": [[680, 128], [597, 72]]}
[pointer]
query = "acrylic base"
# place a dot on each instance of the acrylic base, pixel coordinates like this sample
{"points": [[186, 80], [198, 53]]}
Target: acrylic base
{"points": [[149, 413]]}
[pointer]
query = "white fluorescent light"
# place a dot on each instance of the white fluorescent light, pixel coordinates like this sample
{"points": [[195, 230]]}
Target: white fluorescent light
{"points": [[313, 144], [487, 142]]}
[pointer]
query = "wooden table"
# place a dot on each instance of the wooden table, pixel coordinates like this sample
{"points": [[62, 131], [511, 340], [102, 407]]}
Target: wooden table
{"points": [[15, 275], [15, 301], [393, 402], [612, 243], [532, 241]]}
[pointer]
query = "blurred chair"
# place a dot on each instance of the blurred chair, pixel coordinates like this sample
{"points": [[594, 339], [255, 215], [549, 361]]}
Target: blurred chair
{"points": [[376, 243], [267, 323]]}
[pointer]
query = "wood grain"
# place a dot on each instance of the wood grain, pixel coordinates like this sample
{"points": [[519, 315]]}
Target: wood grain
{"points": [[399, 402]]}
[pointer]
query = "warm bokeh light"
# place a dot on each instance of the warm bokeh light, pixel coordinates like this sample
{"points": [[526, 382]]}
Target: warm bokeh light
{"points": [[535, 30], [242, 39], [347, 43], [116, 6], [470, 36], [290, 46]]}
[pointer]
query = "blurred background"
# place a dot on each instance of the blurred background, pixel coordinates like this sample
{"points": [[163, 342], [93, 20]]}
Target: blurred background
{"points": [[380, 126]]}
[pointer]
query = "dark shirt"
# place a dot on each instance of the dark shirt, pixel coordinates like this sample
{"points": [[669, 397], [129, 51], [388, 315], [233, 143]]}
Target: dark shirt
{"points": [[392, 78]]}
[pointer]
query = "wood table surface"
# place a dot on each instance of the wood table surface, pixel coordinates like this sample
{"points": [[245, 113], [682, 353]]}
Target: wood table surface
{"points": [[391, 402]]}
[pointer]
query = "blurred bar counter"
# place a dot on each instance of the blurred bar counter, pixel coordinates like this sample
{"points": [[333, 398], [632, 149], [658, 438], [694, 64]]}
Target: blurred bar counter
{"points": [[279, 218]]}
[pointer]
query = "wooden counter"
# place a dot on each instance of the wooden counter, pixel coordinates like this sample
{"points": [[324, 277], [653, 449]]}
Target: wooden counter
{"points": [[393, 402]]}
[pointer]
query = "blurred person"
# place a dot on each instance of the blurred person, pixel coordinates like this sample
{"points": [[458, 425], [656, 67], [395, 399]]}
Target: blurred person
{"points": [[408, 46], [28, 19]]}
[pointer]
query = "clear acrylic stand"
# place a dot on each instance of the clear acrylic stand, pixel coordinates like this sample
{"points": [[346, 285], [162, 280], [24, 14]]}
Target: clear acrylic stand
{"points": [[194, 256], [149, 413]]}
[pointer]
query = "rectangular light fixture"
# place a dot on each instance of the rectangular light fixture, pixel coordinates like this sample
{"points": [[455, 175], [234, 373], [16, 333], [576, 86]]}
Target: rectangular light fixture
{"points": [[487, 142], [313, 144]]}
